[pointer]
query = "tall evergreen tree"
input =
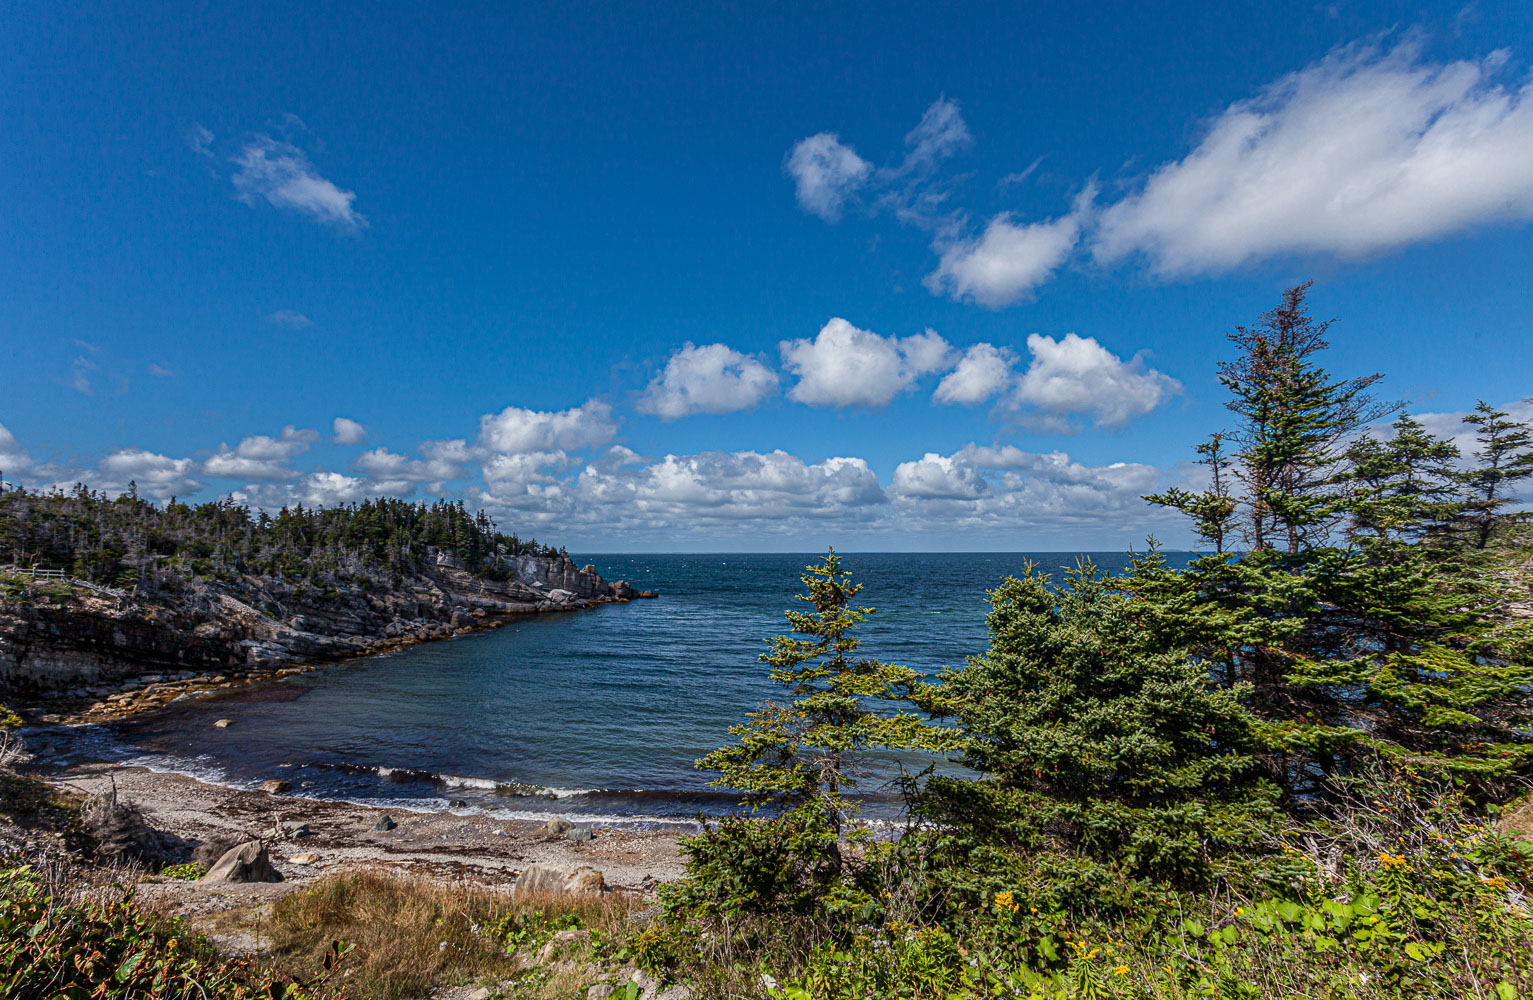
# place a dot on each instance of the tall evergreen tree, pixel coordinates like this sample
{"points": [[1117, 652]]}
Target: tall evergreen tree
{"points": [[809, 751], [1503, 458], [1291, 420], [1106, 755], [1405, 488]]}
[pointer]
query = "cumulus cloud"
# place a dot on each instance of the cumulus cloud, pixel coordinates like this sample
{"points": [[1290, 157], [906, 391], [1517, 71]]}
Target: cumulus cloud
{"points": [[1362, 152], [1006, 488], [291, 319], [826, 174], [13, 457], [939, 477], [982, 372], [1076, 376], [515, 429], [347, 431], [845, 367], [331, 489], [154, 475], [1006, 262], [441, 462], [710, 379], [280, 174], [260, 458], [734, 487]]}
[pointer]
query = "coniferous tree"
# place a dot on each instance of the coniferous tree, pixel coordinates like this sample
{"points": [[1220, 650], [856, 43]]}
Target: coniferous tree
{"points": [[1405, 488], [810, 751], [1348, 655], [1107, 756], [1503, 458]]}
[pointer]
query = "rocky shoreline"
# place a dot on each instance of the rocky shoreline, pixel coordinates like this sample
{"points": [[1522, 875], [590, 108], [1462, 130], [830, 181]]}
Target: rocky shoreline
{"points": [[81, 653]]}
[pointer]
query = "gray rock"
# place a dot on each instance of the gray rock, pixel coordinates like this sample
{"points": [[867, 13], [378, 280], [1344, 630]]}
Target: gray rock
{"points": [[581, 833], [558, 826], [295, 829], [385, 823], [541, 878], [276, 786], [246, 863]]}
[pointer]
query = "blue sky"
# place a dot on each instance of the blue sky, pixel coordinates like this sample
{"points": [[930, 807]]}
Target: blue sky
{"points": [[893, 276]]}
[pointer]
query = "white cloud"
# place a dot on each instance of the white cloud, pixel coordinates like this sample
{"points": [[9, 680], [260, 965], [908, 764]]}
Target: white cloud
{"points": [[847, 367], [394, 473], [1007, 261], [291, 319], [281, 174], [1076, 376], [937, 477], [331, 489], [348, 431], [515, 429], [161, 371], [199, 140], [13, 457], [826, 174], [983, 371], [79, 375], [1362, 152], [260, 458], [154, 475], [709, 379], [1005, 488], [941, 133], [733, 487]]}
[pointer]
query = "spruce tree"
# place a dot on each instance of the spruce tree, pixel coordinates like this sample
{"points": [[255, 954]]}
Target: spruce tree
{"points": [[1344, 654], [1503, 458], [1108, 757], [810, 751]]}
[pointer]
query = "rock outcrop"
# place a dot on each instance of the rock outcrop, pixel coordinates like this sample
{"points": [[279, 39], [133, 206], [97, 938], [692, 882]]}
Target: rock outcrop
{"points": [[93, 644]]}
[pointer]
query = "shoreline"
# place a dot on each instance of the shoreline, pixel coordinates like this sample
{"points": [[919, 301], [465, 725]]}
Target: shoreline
{"points": [[470, 849]]}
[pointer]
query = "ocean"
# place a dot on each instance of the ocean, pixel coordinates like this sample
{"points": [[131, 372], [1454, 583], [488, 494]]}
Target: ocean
{"points": [[597, 715]]}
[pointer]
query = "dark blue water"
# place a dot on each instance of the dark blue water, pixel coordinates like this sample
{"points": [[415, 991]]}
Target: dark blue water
{"points": [[598, 712]]}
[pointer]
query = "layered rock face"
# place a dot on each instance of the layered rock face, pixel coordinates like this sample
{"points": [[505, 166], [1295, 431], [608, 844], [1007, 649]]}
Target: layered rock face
{"points": [[266, 622]]}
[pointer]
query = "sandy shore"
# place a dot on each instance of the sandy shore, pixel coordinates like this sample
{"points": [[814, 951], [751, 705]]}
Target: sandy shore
{"points": [[469, 850]]}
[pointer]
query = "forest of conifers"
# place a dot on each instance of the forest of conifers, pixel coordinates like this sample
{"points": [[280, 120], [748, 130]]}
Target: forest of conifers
{"points": [[115, 540]]}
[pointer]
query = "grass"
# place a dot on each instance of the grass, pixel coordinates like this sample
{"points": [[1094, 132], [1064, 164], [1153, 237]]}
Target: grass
{"points": [[409, 935]]}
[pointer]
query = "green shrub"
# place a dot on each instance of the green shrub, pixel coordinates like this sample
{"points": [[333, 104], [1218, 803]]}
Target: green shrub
{"points": [[112, 950]]}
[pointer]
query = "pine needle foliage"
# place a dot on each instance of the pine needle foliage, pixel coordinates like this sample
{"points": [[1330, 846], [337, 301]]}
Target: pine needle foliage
{"points": [[812, 749], [1107, 757]]}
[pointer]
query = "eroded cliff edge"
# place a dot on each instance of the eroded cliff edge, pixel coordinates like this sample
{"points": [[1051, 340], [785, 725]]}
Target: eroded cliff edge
{"points": [[64, 639]]}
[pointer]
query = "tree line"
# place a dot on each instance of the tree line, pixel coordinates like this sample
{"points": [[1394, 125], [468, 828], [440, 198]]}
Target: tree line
{"points": [[120, 539]]}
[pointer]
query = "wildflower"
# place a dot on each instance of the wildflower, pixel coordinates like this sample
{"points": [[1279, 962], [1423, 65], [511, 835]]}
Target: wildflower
{"points": [[1120, 970]]}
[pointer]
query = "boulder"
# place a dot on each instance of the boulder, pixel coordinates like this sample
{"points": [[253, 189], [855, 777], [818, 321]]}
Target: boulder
{"points": [[306, 858], [560, 596], [649, 593], [558, 826], [561, 941], [276, 786], [295, 829], [385, 823], [547, 878], [581, 833], [623, 590], [541, 878], [585, 879], [246, 863]]}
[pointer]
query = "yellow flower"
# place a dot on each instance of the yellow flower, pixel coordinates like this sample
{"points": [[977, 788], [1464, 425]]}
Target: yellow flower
{"points": [[1120, 970]]}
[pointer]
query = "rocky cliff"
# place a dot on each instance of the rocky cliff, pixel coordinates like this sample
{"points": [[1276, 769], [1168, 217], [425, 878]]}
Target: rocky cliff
{"points": [[58, 639]]}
